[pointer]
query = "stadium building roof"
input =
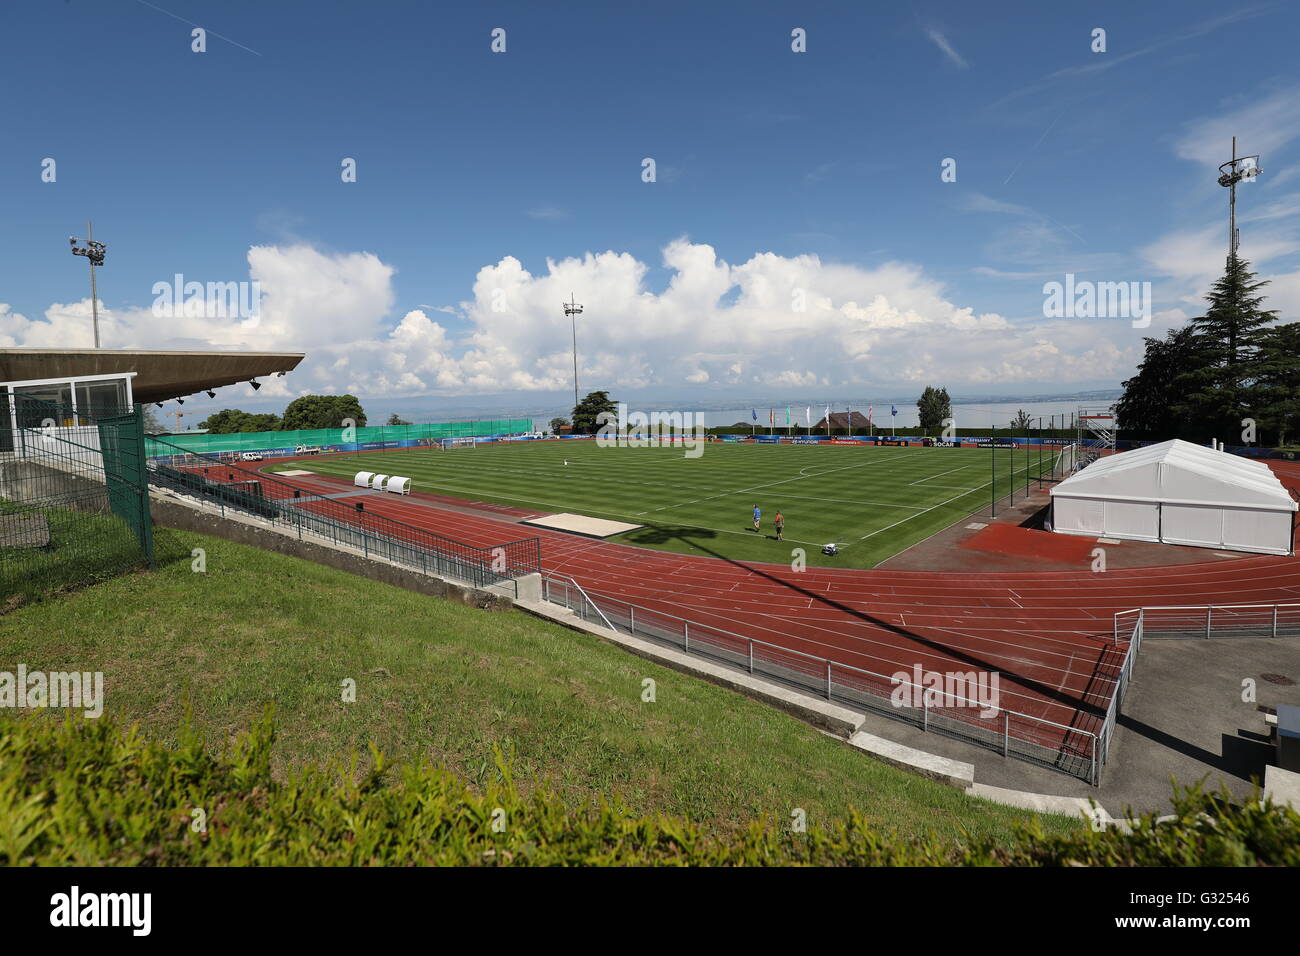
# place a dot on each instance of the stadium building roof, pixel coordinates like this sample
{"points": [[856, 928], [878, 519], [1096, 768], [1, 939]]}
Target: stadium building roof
{"points": [[159, 375]]}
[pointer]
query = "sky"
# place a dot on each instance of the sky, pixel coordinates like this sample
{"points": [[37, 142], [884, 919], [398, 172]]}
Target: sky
{"points": [[800, 240]]}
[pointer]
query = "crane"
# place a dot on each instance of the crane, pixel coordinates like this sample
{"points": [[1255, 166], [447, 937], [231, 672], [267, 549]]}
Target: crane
{"points": [[180, 413]]}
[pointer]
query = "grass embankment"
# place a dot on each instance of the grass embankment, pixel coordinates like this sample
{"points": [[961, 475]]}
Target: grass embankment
{"points": [[445, 683]]}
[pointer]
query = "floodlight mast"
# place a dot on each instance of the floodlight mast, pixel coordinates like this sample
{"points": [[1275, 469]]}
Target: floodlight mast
{"points": [[94, 253], [572, 310], [1237, 169]]}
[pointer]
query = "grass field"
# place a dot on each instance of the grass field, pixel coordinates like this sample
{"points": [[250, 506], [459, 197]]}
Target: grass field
{"points": [[872, 502], [442, 682]]}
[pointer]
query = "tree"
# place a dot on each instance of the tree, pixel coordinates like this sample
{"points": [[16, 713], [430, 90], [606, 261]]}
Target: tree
{"points": [[151, 424], [933, 408], [1219, 388], [1156, 399], [557, 424], [393, 419], [323, 411], [231, 420], [585, 412], [1277, 396], [1022, 420]]}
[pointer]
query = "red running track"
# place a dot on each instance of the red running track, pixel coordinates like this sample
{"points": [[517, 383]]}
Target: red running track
{"points": [[1047, 634]]}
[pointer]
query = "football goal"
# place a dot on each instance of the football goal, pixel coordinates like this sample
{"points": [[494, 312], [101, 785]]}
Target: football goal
{"points": [[448, 444]]}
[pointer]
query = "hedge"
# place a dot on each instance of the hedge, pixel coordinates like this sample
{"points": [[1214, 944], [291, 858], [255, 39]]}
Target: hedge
{"points": [[88, 793]]}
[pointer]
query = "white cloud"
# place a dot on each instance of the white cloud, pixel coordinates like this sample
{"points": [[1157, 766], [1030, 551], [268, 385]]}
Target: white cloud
{"points": [[941, 41], [550, 213], [715, 324], [1262, 126]]}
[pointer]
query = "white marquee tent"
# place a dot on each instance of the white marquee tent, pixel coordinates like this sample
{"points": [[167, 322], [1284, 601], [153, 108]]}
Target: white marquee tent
{"points": [[1178, 493]]}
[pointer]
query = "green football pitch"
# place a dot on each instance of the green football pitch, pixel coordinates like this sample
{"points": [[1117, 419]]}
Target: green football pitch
{"points": [[871, 501]]}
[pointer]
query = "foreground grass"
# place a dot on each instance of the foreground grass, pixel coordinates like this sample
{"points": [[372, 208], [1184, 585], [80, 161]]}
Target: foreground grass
{"points": [[82, 793], [441, 682], [872, 501]]}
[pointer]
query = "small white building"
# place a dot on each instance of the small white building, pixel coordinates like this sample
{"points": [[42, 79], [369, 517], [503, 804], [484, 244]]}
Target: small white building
{"points": [[1179, 493]]}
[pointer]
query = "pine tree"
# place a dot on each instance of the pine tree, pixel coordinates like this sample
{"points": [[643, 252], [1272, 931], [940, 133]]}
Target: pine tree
{"points": [[1277, 383], [586, 412], [1231, 333]]}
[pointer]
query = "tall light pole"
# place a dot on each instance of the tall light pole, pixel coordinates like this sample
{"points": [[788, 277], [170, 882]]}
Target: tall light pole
{"points": [[94, 253], [573, 310], [1237, 169]]}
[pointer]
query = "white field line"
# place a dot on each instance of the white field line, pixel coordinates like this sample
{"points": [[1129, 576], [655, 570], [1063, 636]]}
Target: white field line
{"points": [[846, 501], [773, 484], [941, 474], [624, 514], [931, 508]]}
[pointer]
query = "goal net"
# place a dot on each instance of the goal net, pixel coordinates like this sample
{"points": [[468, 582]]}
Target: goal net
{"points": [[449, 443]]}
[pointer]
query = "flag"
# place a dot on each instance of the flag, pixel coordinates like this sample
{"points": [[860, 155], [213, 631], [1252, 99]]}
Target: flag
{"points": [[754, 412], [787, 416], [870, 410], [893, 410], [807, 415], [771, 416]]}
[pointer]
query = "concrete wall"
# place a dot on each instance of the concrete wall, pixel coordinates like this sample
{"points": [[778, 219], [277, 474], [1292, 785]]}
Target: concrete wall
{"points": [[32, 483]]}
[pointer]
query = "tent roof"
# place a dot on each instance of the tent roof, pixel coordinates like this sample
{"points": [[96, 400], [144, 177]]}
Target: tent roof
{"points": [[1180, 472]]}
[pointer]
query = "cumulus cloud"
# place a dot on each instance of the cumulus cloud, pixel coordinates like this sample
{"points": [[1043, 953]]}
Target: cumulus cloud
{"points": [[771, 322]]}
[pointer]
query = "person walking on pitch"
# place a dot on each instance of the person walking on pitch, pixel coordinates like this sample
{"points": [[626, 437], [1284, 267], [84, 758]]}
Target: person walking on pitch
{"points": [[779, 521], [758, 516]]}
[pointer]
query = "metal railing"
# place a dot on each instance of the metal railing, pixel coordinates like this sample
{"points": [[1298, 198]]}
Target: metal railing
{"points": [[1072, 750], [1210, 621], [1189, 622], [340, 522], [1133, 634]]}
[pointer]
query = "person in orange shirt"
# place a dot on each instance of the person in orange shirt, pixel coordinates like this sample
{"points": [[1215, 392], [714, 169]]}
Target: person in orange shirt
{"points": [[779, 520]]}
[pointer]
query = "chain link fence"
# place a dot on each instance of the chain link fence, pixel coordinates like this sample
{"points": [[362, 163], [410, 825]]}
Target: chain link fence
{"points": [[341, 521], [74, 500]]}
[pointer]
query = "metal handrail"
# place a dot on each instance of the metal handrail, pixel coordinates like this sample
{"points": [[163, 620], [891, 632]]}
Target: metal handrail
{"points": [[1198, 609], [822, 663], [595, 607]]}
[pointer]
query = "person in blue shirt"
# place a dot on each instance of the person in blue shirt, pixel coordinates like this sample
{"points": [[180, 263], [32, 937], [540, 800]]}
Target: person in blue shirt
{"points": [[758, 516]]}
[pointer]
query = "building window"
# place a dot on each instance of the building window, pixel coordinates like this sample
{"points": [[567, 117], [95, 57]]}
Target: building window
{"points": [[38, 405], [101, 400]]}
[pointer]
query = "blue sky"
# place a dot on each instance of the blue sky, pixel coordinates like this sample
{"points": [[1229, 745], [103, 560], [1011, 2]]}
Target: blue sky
{"points": [[775, 170]]}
